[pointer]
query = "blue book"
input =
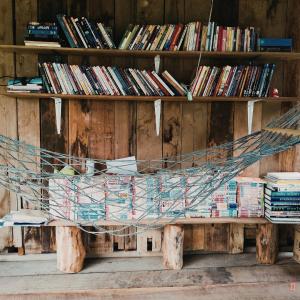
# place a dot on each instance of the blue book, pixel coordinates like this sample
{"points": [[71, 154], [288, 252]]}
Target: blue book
{"points": [[275, 42]]}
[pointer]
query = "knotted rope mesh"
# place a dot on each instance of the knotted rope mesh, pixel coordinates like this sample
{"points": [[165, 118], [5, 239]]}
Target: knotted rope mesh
{"points": [[158, 191]]}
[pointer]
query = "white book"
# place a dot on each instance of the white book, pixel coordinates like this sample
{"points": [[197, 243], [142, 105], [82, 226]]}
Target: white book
{"points": [[50, 78], [79, 32], [284, 175], [99, 78], [78, 79], [116, 79], [111, 82], [163, 83], [178, 46], [132, 71], [105, 84], [60, 79]]}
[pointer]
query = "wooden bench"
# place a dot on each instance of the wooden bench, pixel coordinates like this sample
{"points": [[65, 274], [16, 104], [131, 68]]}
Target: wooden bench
{"points": [[71, 252]]}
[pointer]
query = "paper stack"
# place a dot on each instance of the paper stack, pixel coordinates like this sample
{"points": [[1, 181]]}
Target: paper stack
{"points": [[118, 197], [62, 196], [146, 197], [223, 200], [90, 204], [197, 203], [250, 197], [282, 197], [172, 195]]}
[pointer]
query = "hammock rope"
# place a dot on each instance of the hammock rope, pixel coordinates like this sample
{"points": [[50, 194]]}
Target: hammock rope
{"points": [[164, 189]]}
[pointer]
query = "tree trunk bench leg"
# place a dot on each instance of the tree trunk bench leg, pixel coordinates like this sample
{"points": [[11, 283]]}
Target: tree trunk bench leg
{"points": [[172, 247], [297, 244], [70, 249], [266, 243]]}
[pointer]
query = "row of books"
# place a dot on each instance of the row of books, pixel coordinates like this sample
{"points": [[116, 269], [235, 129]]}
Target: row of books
{"points": [[42, 34], [235, 81], [100, 80], [282, 197], [140, 197], [81, 33], [193, 36]]}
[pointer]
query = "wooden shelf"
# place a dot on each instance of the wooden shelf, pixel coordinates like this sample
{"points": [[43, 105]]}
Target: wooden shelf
{"points": [[138, 53], [145, 98], [183, 221]]}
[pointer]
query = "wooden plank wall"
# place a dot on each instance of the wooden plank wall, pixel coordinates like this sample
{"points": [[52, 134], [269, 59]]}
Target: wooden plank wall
{"points": [[119, 129]]}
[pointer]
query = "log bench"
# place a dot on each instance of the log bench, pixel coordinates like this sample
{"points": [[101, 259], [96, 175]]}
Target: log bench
{"points": [[71, 252]]}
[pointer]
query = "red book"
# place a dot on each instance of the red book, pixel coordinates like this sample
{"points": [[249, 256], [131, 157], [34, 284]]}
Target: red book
{"points": [[220, 38], [175, 36], [166, 93]]}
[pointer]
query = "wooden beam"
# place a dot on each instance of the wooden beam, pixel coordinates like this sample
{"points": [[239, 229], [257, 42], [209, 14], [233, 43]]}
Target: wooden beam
{"points": [[296, 249], [236, 238], [173, 247], [267, 243], [70, 249]]}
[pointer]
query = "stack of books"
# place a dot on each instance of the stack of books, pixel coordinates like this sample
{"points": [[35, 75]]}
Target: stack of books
{"points": [[42, 35], [81, 33], [197, 204], [153, 37], [234, 81], [25, 85], [213, 37], [193, 36], [275, 44], [282, 197], [223, 200], [99, 80], [250, 197]]}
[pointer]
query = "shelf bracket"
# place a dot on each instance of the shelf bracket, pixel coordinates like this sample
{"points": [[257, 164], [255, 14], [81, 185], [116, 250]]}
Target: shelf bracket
{"points": [[250, 110], [58, 103], [157, 63], [157, 108]]}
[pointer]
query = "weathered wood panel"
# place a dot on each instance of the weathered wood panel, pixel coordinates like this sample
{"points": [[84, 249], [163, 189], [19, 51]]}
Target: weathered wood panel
{"points": [[8, 121], [28, 110]]}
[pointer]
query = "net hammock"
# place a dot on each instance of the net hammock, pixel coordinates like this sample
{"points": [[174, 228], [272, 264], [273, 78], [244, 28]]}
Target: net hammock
{"points": [[158, 191]]}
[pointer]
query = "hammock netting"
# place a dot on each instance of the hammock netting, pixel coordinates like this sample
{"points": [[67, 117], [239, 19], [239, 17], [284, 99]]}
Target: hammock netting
{"points": [[132, 193]]}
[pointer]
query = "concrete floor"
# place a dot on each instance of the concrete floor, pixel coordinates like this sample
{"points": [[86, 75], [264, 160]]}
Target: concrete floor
{"points": [[213, 276]]}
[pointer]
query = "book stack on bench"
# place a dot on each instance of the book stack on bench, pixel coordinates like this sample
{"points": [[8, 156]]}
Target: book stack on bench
{"points": [[250, 197], [234, 81], [282, 197], [42, 35], [82, 33]]}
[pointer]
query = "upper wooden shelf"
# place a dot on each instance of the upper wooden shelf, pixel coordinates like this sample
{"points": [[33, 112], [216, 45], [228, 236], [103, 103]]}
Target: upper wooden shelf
{"points": [[145, 98], [166, 221], [138, 53]]}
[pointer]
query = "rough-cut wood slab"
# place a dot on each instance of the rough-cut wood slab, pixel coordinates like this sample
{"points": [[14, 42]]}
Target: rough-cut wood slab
{"points": [[70, 249], [236, 238], [267, 243], [296, 249], [173, 247]]}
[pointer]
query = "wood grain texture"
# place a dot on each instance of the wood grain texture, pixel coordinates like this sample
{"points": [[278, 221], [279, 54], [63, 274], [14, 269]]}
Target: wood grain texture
{"points": [[28, 110], [236, 238], [267, 243], [172, 247], [8, 121], [216, 237], [70, 249]]}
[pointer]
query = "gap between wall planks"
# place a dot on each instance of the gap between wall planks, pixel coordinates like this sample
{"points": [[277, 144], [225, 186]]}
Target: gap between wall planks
{"points": [[128, 128]]}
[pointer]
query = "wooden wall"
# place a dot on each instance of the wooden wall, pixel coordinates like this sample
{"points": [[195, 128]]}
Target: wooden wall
{"points": [[111, 130]]}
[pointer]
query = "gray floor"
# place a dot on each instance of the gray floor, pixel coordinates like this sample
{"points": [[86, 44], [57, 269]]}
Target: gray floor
{"points": [[213, 276]]}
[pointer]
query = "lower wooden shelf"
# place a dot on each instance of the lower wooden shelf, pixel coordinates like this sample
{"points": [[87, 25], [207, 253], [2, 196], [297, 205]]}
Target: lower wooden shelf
{"points": [[145, 98]]}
